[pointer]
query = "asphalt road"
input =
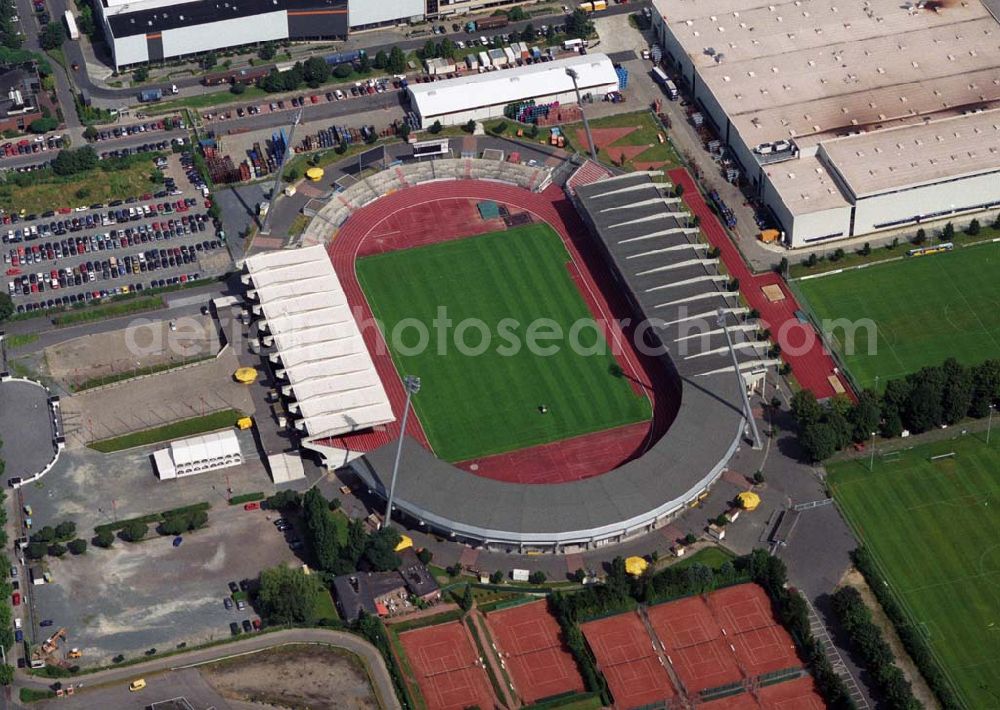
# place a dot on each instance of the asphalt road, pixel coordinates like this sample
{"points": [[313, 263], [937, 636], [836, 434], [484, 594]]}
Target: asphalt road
{"points": [[373, 660]]}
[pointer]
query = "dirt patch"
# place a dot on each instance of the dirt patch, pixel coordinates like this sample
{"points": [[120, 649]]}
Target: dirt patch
{"points": [[921, 691], [313, 676], [146, 343], [604, 137]]}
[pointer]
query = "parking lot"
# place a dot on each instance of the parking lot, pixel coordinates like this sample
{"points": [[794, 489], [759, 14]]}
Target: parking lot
{"points": [[79, 255], [134, 597]]}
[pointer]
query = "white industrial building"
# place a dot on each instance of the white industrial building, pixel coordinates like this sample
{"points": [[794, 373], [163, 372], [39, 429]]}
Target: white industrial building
{"points": [[483, 96], [847, 118], [319, 355], [199, 454]]}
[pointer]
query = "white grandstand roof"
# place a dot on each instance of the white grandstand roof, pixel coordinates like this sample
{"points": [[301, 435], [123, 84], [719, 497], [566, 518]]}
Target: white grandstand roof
{"points": [[319, 346], [510, 85], [205, 447]]}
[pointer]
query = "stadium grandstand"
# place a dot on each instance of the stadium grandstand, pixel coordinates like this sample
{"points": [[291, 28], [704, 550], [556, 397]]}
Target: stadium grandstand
{"points": [[847, 119]]}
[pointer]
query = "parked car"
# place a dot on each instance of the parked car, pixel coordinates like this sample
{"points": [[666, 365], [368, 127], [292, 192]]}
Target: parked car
{"points": [[247, 626], [46, 622], [228, 603], [252, 506], [241, 605], [234, 587], [234, 628]]}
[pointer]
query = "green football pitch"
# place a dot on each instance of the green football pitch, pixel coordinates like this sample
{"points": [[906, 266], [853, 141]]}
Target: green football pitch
{"points": [[922, 310], [934, 528], [472, 404]]}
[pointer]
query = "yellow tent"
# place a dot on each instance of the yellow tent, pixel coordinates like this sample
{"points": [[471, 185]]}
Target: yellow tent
{"points": [[315, 174], [246, 375], [635, 566], [748, 500], [404, 543]]}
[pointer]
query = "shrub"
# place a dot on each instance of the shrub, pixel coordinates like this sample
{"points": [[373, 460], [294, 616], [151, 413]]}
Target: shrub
{"points": [[57, 549], [105, 539], [134, 531], [78, 546], [537, 577]]}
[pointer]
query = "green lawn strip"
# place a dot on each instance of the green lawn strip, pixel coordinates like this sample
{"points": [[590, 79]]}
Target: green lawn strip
{"points": [[247, 498], [111, 310], [30, 695], [713, 557], [177, 430], [469, 406], [481, 650], [932, 527], [570, 701], [912, 313], [210, 100], [20, 340], [325, 608], [884, 253], [138, 372], [98, 185]]}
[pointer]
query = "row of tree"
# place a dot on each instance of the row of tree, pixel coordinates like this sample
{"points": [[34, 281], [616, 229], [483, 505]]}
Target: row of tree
{"points": [[6, 589], [931, 397], [55, 541], [874, 651]]}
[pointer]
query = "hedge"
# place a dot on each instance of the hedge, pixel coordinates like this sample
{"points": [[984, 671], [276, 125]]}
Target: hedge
{"points": [[153, 517], [247, 498]]}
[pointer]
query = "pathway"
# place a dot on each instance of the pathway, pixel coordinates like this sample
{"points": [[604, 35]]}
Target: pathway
{"points": [[811, 364], [509, 698]]}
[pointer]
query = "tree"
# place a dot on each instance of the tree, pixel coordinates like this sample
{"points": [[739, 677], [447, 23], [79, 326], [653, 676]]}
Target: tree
{"points": [[429, 50], [267, 51], [6, 674], [974, 228], [435, 127], [134, 531], [104, 538], [53, 36], [209, 60], [65, 530], [36, 550], [579, 25], [516, 14], [948, 232], [322, 532], [6, 307], [985, 387], [920, 237], [45, 534], [528, 33], [364, 63], [497, 577], [57, 549], [956, 398], [536, 577], [90, 133], [77, 546], [316, 71], [818, 441], [283, 500], [578, 576], [690, 539], [865, 416], [380, 553], [140, 74], [397, 61], [805, 408], [381, 60], [466, 600], [43, 125], [470, 127], [447, 48], [238, 88], [288, 596], [425, 556]]}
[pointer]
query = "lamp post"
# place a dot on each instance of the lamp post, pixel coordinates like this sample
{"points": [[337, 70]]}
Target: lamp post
{"points": [[989, 425], [571, 72], [412, 385], [871, 461], [748, 413]]}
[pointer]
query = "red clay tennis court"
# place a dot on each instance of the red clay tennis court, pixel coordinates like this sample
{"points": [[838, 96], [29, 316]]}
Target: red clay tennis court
{"points": [[762, 644], [707, 665], [685, 622], [765, 650], [741, 608], [529, 641], [626, 657], [799, 694], [444, 660]]}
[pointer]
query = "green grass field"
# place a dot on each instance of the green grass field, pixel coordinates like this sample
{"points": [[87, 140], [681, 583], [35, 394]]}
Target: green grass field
{"points": [[477, 405], [924, 310], [934, 528]]}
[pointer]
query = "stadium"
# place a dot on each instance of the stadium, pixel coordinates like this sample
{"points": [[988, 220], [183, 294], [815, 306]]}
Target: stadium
{"points": [[525, 453]]}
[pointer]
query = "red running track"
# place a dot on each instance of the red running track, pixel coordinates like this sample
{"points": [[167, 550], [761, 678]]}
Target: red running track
{"points": [[800, 345], [441, 211]]}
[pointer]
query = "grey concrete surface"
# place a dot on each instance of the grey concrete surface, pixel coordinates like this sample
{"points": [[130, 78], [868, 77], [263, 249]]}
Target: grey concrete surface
{"points": [[25, 428]]}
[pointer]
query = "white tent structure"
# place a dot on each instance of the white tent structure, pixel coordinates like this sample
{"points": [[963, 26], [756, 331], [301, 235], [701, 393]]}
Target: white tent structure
{"points": [[187, 457], [318, 349], [482, 96]]}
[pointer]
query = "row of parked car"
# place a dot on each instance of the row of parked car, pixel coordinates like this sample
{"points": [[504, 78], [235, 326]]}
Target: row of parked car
{"points": [[144, 148], [89, 296], [26, 147], [136, 128]]}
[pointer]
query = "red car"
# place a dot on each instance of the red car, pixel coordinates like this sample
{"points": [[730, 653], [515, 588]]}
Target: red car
{"points": [[13, 272], [251, 506], [16, 598], [256, 624]]}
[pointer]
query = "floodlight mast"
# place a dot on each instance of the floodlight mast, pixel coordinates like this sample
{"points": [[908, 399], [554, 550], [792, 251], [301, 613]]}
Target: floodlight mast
{"points": [[748, 413], [412, 385], [265, 227], [571, 72]]}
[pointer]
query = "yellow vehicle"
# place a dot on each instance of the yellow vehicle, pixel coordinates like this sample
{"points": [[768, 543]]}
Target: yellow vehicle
{"points": [[74, 653], [137, 685], [244, 422]]}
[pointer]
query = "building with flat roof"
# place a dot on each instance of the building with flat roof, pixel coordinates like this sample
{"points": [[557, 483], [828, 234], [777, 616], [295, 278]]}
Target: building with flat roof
{"points": [[198, 454], [18, 102], [140, 31], [479, 97], [846, 118]]}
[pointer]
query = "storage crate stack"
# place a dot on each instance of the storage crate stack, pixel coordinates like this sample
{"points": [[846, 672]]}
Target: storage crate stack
{"points": [[622, 73], [514, 110]]}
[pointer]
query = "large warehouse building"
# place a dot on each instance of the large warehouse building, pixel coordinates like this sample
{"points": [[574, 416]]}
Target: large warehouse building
{"points": [[847, 119], [483, 96]]}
